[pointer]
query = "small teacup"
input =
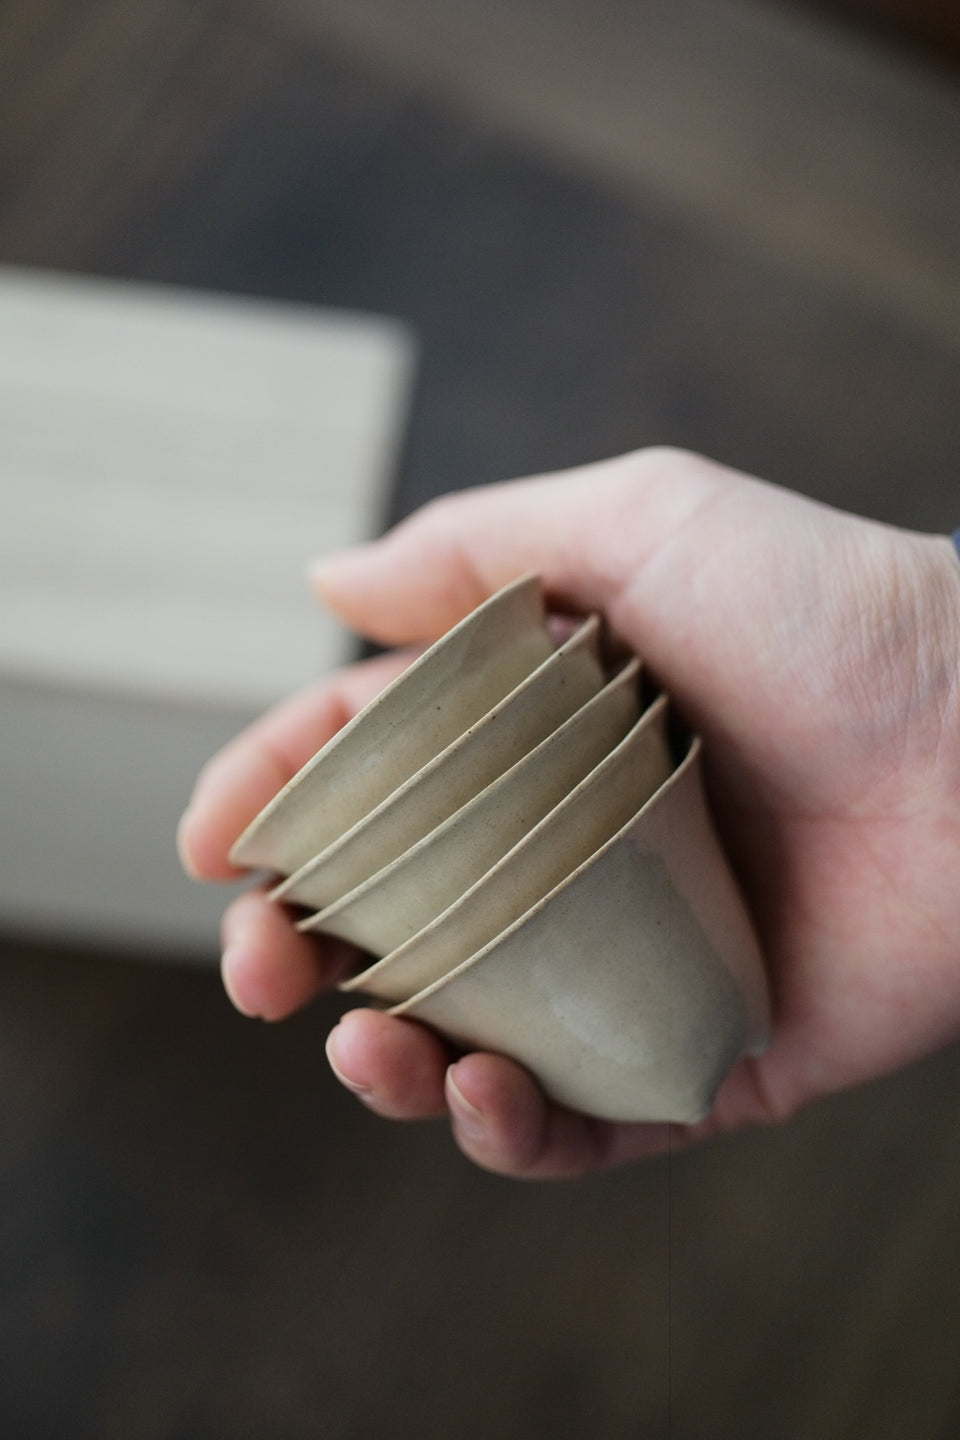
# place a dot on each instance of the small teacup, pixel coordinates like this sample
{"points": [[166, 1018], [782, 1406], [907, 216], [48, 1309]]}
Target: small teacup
{"points": [[536, 865], [393, 904], [447, 689], [545, 698], [632, 987], [564, 839]]}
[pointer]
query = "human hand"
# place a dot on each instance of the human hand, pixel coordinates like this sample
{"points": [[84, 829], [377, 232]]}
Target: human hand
{"points": [[817, 655]]}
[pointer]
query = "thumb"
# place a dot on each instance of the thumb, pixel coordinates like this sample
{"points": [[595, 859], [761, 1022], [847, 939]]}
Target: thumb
{"points": [[587, 531]]}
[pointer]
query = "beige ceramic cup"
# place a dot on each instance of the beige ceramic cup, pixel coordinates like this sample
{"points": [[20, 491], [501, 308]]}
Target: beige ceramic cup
{"points": [[568, 835], [561, 896], [399, 900], [442, 693], [629, 990], [545, 698]]}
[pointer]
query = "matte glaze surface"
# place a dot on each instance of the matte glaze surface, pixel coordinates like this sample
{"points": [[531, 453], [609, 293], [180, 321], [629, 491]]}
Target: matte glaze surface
{"points": [[443, 692], [633, 987], [389, 908], [537, 871], [594, 811], [542, 701]]}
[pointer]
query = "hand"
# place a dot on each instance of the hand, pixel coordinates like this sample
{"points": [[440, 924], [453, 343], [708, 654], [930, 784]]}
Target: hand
{"points": [[816, 653]]}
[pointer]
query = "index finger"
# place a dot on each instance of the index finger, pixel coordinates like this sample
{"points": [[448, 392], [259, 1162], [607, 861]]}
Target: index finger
{"points": [[233, 787]]}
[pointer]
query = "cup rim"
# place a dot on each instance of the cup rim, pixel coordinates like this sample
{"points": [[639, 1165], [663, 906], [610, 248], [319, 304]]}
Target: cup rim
{"points": [[586, 636], [627, 674], [530, 581], [676, 775], [680, 770]]}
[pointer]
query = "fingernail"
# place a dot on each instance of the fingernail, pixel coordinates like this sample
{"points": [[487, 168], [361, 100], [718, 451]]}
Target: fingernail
{"points": [[328, 573], [352, 1085], [469, 1119], [319, 571], [183, 851], [316, 573], [230, 963]]}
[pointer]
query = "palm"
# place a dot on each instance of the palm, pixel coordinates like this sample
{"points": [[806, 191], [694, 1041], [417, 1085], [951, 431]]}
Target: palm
{"points": [[833, 768]]}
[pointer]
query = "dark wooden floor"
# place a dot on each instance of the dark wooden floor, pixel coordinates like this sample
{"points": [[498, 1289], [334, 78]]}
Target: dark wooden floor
{"points": [[200, 1235]]}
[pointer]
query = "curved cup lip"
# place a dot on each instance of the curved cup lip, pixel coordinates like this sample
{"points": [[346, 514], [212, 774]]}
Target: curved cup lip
{"points": [[686, 763], [649, 1034], [653, 716], [525, 593], [584, 639], [625, 678]]}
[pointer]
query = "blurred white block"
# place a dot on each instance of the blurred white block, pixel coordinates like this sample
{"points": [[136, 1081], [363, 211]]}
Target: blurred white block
{"points": [[169, 463]]}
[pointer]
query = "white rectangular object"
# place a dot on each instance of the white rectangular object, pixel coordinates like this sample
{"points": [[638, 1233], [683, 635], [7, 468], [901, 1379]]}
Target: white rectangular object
{"points": [[169, 463]]}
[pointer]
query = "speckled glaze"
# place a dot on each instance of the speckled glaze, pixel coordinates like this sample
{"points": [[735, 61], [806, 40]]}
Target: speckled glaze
{"points": [[631, 988], [392, 905], [583, 821], [527, 854], [442, 693], [542, 701]]}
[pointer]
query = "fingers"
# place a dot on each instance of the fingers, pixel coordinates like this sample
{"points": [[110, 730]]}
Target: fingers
{"points": [[503, 1122], [499, 1116], [394, 1066], [235, 785], [586, 531], [402, 1071], [269, 969]]}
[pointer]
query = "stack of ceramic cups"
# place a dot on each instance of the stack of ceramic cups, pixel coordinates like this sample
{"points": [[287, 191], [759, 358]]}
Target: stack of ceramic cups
{"points": [[523, 847]]}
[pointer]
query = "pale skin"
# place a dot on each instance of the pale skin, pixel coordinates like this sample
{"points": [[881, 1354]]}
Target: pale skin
{"points": [[818, 655]]}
